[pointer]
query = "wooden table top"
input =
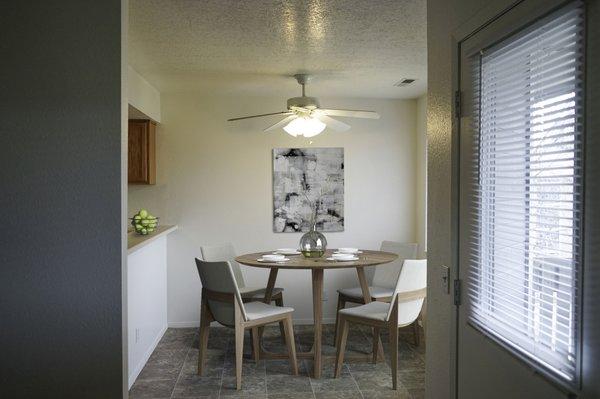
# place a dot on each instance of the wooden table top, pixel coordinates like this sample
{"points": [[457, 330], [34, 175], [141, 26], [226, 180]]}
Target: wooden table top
{"points": [[366, 258]]}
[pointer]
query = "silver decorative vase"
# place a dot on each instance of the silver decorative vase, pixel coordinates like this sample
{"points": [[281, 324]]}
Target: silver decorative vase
{"points": [[313, 244]]}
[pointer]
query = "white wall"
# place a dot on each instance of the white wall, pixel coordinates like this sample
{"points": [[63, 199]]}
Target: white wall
{"points": [[142, 95], [214, 181]]}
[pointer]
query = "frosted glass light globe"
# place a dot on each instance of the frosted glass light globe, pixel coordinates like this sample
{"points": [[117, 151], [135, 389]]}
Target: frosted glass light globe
{"points": [[305, 126]]}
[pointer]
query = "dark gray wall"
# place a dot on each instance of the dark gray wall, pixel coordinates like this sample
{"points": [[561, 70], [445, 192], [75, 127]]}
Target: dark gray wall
{"points": [[60, 203]]}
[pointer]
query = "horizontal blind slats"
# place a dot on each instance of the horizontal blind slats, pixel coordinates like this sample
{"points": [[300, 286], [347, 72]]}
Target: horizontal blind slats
{"points": [[566, 283], [514, 300], [511, 317], [526, 188], [502, 91], [506, 73], [508, 51], [536, 91]]}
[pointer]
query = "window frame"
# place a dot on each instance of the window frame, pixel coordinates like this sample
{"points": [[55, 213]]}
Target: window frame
{"points": [[536, 364]]}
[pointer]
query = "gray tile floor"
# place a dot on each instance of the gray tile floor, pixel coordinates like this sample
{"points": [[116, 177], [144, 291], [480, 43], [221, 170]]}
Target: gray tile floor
{"points": [[171, 370]]}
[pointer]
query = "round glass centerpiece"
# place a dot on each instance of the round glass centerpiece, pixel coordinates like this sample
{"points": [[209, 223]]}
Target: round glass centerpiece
{"points": [[313, 244]]}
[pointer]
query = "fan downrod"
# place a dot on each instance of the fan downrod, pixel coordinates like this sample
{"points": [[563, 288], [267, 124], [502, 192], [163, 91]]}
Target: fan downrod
{"points": [[303, 79]]}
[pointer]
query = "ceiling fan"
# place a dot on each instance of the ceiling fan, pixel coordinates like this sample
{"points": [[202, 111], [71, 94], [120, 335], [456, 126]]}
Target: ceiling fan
{"points": [[304, 117]]}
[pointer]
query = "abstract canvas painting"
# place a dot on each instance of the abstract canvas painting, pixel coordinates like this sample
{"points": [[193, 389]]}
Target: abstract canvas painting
{"points": [[306, 180]]}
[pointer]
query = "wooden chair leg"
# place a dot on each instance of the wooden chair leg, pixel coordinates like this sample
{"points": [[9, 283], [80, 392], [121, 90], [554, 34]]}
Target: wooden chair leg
{"points": [[394, 354], [341, 304], [416, 333], [291, 344], [255, 344], [239, 353], [204, 331], [376, 341], [380, 349], [279, 302], [341, 346]]}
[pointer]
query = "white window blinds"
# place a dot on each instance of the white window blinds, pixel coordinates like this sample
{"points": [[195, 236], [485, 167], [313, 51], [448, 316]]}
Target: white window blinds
{"points": [[524, 268]]}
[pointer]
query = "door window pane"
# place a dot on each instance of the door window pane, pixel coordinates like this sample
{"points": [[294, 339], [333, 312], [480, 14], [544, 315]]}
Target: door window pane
{"points": [[524, 270]]}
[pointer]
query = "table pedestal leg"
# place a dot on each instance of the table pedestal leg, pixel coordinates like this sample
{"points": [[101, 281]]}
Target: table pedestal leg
{"points": [[315, 352], [317, 286], [364, 285], [270, 285]]}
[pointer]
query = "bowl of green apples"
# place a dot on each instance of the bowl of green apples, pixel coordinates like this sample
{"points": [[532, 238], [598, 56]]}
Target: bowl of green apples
{"points": [[143, 222]]}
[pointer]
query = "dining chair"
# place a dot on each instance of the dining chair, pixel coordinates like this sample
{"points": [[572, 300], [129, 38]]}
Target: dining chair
{"points": [[226, 252], [404, 308], [381, 286], [222, 302]]}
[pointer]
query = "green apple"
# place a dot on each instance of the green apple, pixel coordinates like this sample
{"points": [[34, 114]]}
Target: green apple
{"points": [[143, 213], [137, 217], [144, 231], [145, 222]]}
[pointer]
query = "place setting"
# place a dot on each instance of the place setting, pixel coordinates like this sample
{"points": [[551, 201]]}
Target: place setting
{"points": [[345, 255], [279, 255], [287, 251]]}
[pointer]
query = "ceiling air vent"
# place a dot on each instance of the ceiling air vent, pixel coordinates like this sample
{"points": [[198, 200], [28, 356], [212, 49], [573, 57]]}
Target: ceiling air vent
{"points": [[404, 82]]}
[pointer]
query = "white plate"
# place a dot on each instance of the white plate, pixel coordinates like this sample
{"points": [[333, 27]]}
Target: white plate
{"points": [[272, 261], [341, 256], [348, 250], [287, 251], [272, 256], [344, 259], [348, 253]]}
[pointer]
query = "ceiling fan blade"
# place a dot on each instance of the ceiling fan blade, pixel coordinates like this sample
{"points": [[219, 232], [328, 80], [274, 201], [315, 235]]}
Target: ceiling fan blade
{"points": [[261, 115], [351, 113], [281, 123], [333, 123]]}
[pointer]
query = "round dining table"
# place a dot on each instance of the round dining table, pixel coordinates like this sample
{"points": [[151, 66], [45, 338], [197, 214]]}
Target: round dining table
{"points": [[317, 266]]}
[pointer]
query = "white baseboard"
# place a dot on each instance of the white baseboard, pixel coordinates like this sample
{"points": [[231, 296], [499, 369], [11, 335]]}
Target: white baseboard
{"points": [[184, 324], [133, 374], [192, 324]]}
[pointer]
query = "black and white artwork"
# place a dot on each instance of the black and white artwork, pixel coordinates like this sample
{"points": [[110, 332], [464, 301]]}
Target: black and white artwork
{"points": [[305, 181]]}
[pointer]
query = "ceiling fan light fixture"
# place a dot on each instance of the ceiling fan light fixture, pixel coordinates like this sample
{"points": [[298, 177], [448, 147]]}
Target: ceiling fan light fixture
{"points": [[304, 116], [305, 126]]}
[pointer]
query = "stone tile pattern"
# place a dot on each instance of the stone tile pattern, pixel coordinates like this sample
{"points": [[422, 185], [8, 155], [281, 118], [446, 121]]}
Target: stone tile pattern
{"points": [[171, 370]]}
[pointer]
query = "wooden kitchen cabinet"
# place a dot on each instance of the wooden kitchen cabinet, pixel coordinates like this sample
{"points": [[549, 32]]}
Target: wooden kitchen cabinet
{"points": [[141, 159]]}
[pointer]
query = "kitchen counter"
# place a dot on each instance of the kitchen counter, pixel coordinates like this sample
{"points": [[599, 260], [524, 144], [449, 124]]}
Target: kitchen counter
{"points": [[146, 295], [136, 241]]}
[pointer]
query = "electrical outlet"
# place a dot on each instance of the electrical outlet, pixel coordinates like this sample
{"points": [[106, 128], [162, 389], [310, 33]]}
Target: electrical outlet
{"points": [[446, 279]]}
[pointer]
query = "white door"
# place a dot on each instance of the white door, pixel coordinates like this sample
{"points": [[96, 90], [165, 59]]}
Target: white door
{"points": [[521, 115]]}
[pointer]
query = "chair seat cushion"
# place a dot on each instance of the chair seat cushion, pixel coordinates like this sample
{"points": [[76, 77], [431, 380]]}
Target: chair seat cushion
{"points": [[257, 292], [376, 292], [407, 311], [371, 311], [259, 310]]}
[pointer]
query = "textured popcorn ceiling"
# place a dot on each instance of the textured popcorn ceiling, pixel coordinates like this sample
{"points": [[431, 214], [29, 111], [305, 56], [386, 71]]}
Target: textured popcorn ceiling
{"points": [[353, 48]]}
